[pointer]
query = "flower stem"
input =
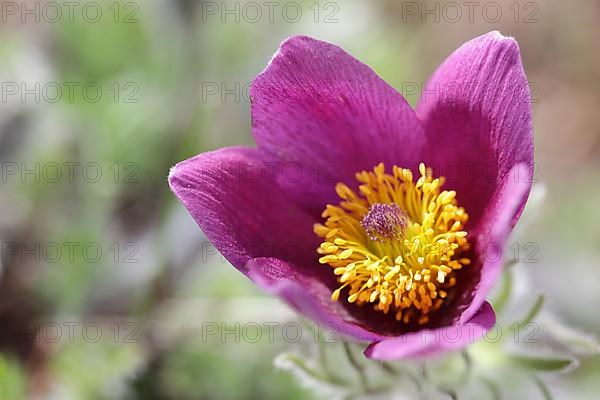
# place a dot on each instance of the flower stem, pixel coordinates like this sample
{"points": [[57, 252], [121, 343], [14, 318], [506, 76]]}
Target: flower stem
{"points": [[359, 368], [543, 388]]}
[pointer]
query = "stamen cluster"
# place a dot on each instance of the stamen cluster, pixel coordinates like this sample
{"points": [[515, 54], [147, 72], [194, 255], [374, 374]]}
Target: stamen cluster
{"points": [[396, 243]]}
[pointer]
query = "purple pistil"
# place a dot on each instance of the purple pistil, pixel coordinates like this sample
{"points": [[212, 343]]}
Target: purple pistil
{"points": [[384, 221]]}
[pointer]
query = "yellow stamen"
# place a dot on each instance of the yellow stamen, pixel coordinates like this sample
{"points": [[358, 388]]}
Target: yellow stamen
{"points": [[395, 243]]}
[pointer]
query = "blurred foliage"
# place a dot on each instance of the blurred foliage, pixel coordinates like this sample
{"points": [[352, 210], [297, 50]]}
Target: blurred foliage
{"points": [[12, 379]]}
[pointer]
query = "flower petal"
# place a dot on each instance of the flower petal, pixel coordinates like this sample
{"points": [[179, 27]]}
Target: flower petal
{"points": [[431, 341], [476, 110], [232, 195], [497, 223], [319, 110], [307, 293]]}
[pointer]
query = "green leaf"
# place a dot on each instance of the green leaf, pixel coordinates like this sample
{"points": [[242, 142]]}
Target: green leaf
{"points": [[544, 364], [505, 291], [293, 363], [566, 336], [533, 311]]}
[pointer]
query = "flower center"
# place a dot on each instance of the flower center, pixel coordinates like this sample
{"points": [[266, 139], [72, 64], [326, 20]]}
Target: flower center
{"points": [[396, 243], [384, 222]]}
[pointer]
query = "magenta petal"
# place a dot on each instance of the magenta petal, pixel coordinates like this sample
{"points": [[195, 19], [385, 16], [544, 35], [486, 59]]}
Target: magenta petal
{"points": [[318, 110], [496, 226], [232, 195], [476, 110], [432, 341], [307, 294]]}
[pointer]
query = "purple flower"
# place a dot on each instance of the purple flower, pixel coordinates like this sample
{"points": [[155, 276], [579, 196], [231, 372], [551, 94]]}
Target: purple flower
{"points": [[386, 223]]}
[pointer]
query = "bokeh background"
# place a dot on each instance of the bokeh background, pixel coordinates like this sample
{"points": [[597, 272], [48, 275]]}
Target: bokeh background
{"points": [[105, 279]]}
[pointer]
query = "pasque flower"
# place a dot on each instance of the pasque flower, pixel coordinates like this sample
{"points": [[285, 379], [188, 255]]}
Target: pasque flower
{"points": [[384, 222]]}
